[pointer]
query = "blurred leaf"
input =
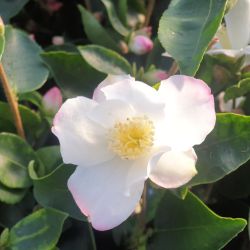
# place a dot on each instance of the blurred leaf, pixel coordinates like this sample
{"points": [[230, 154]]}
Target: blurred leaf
{"points": [[15, 156], [4, 237], [9, 8], [40, 230], [10, 195], [189, 224], [113, 18], [33, 97], [225, 149], [105, 60], [95, 32], [74, 76], [122, 11], [242, 88], [60, 198], [21, 61], [187, 27], [2, 39]]}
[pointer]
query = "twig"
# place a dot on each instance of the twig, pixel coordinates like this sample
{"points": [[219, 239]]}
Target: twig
{"points": [[173, 69], [12, 100], [92, 237]]}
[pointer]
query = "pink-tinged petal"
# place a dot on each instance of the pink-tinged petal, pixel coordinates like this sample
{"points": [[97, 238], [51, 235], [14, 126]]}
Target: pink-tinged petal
{"points": [[98, 95], [79, 136], [107, 193], [238, 24], [52, 100], [173, 169], [190, 114], [144, 99]]}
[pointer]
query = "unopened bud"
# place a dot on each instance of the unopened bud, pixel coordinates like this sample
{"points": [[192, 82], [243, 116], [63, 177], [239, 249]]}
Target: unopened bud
{"points": [[52, 101], [140, 44], [57, 40], [155, 76]]}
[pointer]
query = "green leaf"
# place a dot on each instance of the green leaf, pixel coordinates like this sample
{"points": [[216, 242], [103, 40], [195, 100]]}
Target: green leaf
{"points": [[9, 8], [40, 230], [4, 237], [11, 196], [15, 156], [34, 98], [60, 198], [74, 76], [95, 32], [189, 224], [242, 88], [113, 18], [21, 61], [105, 60], [2, 39], [122, 10], [187, 27], [225, 149]]}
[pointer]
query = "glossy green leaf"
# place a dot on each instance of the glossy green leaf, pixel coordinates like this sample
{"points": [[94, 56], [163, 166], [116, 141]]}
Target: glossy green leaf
{"points": [[114, 19], [95, 32], [15, 156], [40, 230], [74, 76], [105, 60], [189, 224], [34, 98], [60, 198], [10, 195], [21, 61], [187, 27], [225, 149], [242, 88], [9, 8]]}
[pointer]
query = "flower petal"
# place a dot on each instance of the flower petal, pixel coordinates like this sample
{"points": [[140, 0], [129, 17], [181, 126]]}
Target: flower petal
{"points": [[98, 95], [108, 192], [238, 24], [189, 112], [78, 135], [173, 169]]}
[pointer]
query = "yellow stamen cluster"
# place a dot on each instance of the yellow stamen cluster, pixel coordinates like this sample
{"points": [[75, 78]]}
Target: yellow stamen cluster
{"points": [[133, 138]]}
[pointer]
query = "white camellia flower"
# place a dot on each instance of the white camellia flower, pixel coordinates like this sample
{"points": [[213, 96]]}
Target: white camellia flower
{"points": [[127, 133]]}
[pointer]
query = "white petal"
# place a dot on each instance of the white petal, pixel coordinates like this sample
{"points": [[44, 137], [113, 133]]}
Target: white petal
{"points": [[109, 80], [173, 169], [82, 141], [238, 24], [189, 112], [143, 98], [108, 193], [228, 52]]}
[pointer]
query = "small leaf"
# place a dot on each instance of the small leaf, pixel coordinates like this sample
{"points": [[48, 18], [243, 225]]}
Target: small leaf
{"points": [[187, 27], [105, 60], [15, 156], [40, 230], [225, 149], [71, 72], [115, 21], [60, 198], [4, 237], [33, 97], [9, 8], [21, 61], [95, 32], [242, 88], [189, 224]]}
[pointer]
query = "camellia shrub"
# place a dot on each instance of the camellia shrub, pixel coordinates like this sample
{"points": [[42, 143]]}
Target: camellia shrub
{"points": [[124, 124]]}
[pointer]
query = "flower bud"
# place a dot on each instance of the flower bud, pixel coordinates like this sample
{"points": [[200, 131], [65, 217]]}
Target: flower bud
{"points": [[140, 44], [155, 76], [52, 101], [57, 40]]}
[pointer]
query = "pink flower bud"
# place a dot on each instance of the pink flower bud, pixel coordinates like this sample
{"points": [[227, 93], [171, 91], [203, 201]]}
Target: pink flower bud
{"points": [[53, 5], [52, 100], [155, 76], [57, 40], [140, 44]]}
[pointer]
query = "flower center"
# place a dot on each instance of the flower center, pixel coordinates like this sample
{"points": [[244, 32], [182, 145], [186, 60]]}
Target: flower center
{"points": [[133, 138]]}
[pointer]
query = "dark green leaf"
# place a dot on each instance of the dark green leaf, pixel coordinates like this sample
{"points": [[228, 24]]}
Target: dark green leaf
{"points": [[21, 61], [242, 88], [15, 156], [187, 27], [122, 11], [40, 230], [95, 32], [74, 76], [225, 149], [105, 60], [33, 97], [189, 224], [60, 198], [9, 8], [4, 237], [113, 18]]}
